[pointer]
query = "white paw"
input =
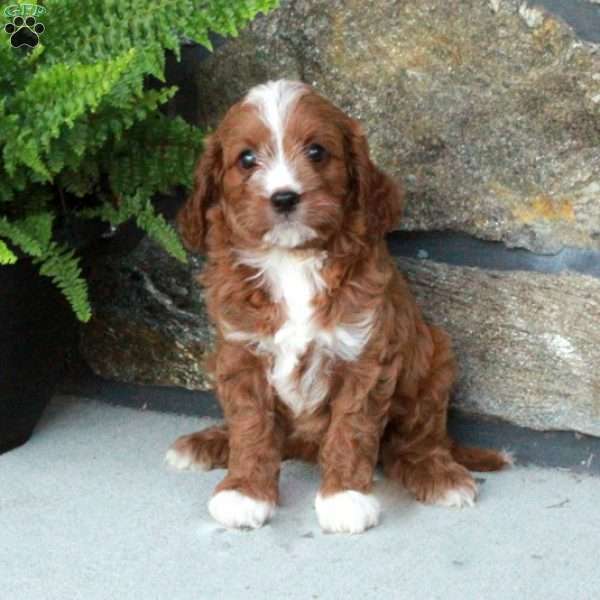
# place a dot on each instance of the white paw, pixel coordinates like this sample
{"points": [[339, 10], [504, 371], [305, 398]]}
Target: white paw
{"points": [[509, 457], [236, 510], [183, 460], [458, 497], [347, 512]]}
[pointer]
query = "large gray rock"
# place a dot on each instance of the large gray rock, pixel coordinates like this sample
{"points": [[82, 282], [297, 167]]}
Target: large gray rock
{"points": [[149, 324], [528, 343], [488, 111]]}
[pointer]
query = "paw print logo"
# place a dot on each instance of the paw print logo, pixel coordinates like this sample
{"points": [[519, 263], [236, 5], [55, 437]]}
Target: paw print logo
{"points": [[24, 32]]}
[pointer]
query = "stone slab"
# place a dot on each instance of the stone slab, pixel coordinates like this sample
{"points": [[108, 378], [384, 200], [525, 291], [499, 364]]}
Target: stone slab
{"points": [[528, 343], [489, 112]]}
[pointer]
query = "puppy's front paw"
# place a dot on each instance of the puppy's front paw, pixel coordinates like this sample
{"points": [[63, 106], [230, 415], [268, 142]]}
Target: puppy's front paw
{"points": [[236, 510], [347, 512]]}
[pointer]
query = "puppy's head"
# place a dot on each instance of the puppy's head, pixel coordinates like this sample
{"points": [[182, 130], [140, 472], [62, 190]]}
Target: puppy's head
{"points": [[284, 168]]}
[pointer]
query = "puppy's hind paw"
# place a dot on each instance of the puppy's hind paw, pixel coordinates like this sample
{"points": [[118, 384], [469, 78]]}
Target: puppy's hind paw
{"points": [[182, 461], [458, 497], [200, 451]]}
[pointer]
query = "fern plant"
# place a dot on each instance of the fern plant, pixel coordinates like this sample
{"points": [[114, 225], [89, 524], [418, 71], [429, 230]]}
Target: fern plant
{"points": [[76, 119]]}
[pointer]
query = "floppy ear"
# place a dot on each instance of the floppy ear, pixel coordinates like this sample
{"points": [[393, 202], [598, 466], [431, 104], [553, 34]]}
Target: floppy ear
{"points": [[379, 197], [191, 220]]}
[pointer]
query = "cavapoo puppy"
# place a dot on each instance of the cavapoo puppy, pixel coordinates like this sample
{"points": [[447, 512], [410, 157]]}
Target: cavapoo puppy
{"points": [[322, 354]]}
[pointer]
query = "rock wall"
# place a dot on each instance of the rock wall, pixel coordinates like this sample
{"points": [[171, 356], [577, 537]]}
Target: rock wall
{"points": [[149, 324], [527, 342], [489, 114]]}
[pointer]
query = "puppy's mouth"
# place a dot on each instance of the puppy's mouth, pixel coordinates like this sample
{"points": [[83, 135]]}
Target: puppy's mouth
{"points": [[288, 231]]}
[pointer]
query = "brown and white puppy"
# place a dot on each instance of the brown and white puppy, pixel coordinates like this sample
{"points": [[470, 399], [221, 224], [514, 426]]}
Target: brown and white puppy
{"points": [[322, 354]]}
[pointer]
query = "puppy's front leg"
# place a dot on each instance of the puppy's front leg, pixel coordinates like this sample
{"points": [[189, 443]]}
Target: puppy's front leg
{"points": [[348, 456], [248, 494]]}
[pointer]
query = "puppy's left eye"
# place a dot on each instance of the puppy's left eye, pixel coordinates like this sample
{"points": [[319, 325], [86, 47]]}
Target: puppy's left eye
{"points": [[315, 152], [247, 159]]}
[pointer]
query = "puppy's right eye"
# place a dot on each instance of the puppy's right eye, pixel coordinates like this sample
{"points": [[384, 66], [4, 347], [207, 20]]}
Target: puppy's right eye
{"points": [[316, 153], [247, 159]]}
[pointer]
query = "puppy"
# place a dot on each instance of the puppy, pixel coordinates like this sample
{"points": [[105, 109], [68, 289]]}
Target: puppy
{"points": [[321, 354]]}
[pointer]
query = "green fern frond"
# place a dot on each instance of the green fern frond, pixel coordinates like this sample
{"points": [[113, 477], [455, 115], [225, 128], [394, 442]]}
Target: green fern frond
{"points": [[160, 231], [60, 264], [61, 94], [30, 234], [138, 162], [139, 207], [77, 154], [6, 256], [38, 226]]}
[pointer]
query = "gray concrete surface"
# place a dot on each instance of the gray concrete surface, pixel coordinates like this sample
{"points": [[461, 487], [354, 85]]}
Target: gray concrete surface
{"points": [[88, 511]]}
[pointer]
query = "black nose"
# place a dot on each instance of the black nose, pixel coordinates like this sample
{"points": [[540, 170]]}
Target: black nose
{"points": [[285, 200]]}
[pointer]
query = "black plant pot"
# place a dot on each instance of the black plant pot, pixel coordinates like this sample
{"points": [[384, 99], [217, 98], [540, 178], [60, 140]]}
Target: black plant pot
{"points": [[37, 329]]}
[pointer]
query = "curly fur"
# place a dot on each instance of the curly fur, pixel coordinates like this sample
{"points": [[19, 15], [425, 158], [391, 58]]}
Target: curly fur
{"points": [[322, 354]]}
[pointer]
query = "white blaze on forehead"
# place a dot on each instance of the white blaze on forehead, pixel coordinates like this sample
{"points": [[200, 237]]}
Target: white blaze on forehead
{"points": [[274, 101]]}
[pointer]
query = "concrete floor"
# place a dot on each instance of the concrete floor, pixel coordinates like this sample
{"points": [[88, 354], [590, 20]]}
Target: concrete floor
{"points": [[87, 510]]}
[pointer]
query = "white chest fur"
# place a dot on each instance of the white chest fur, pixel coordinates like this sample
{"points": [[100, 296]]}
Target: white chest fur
{"points": [[294, 279]]}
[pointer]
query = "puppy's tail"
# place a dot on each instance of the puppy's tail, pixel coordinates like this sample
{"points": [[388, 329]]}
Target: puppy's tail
{"points": [[479, 459]]}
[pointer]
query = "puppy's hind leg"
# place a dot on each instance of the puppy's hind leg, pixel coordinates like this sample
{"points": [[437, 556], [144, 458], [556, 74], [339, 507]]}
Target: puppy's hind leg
{"points": [[200, 451], [416, 449]]}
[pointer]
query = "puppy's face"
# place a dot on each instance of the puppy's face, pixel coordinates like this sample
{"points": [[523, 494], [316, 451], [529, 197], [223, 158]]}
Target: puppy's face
{"points": [[285, 166], [285, 175]]}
